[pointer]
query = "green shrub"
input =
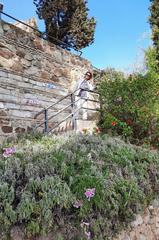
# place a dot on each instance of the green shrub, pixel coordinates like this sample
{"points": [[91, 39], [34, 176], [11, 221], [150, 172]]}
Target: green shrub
{"points": [[130, 107], [41, 183]]}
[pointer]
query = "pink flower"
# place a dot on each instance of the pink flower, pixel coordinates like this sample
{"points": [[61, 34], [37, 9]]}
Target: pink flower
{"points": [[8, 151], [78, 204], [88, 234], [90, 192], [84, 224]]}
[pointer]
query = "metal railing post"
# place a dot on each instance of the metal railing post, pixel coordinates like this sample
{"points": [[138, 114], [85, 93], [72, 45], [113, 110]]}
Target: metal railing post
{"points": [[1, 9], [101, 108], [74, 125], [46, 129]]}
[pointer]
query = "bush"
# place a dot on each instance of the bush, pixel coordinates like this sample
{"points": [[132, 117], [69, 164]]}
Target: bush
{"points": [[130, 107], [69, 187]]}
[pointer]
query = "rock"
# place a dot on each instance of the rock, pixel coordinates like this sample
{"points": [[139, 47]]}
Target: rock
{"points": [[142, 237], [1, 105], [57, 56], [32, 71], [20, 53], [36, 63], [126, 237], [45, 75], [29, 129], [20, 130], [28, 57], [155, 203], [17, 66], [6, 27], [3, 113], [5, 121], [17, 233], [7, 129], [5, 62], [54, 78], [6, 53], [38, 45], [137, 222], [26, 63]]}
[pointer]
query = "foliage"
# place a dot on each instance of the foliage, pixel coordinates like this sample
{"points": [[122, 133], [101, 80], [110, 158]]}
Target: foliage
{"points": [[67, 21], [151, 62], [154, 22], [44, 179], [130, 104]]}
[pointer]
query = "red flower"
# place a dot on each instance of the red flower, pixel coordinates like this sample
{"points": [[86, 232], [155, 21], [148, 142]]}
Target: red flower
{"points": [[129, 122], [114, 123]]}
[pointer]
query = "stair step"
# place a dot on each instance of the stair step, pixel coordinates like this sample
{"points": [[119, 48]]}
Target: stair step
{"points": [[81, 124]]}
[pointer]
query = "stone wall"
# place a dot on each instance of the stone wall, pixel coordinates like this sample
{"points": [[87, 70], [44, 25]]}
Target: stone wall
{"points": [[26, 53], [33, 75], [21, 97], [145, 226]]}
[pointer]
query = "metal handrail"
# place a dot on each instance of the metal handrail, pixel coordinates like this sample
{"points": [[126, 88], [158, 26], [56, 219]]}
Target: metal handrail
{"points": [[39, 125], [53, 105], [62, 109], [46, 109], [72, 95], [65, 119]]}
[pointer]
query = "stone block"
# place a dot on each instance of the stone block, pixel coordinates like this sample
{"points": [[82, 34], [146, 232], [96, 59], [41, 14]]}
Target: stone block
{"points": [[45, 75], [7, 129], [4, 91], [5, 62], [4, 121], [138, 221], [6, 53], [142, 237], [38, 44], [26, 63], [12, 77], [3, 74], [6, 27], [3, 113], [20, 53], [1, 104], [28, 57], [17, 67], [20, 130], [57, 56], [32, 71], [36, 63]]}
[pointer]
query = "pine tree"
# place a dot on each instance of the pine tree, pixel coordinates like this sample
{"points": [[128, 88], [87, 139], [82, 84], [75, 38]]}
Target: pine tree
{"points": [[154, 22], [67, 21]]}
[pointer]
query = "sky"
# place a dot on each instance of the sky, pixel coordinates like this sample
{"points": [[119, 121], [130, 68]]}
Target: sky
{"points": [[122, 31]]}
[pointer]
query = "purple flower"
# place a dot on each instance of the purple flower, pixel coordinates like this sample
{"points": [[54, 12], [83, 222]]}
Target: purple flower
{"points": [[83, 224], [88, 234], [90, 192], [8, 151]]}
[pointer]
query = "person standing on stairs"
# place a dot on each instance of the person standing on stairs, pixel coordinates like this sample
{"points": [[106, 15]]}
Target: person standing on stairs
{"points": [[82, 94]]}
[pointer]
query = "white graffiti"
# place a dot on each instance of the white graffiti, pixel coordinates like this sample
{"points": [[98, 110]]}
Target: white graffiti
{"points": [[32, 102]]}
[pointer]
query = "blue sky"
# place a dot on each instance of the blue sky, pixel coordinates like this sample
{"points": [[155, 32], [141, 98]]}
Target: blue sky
{"points": [[122, 30]]}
